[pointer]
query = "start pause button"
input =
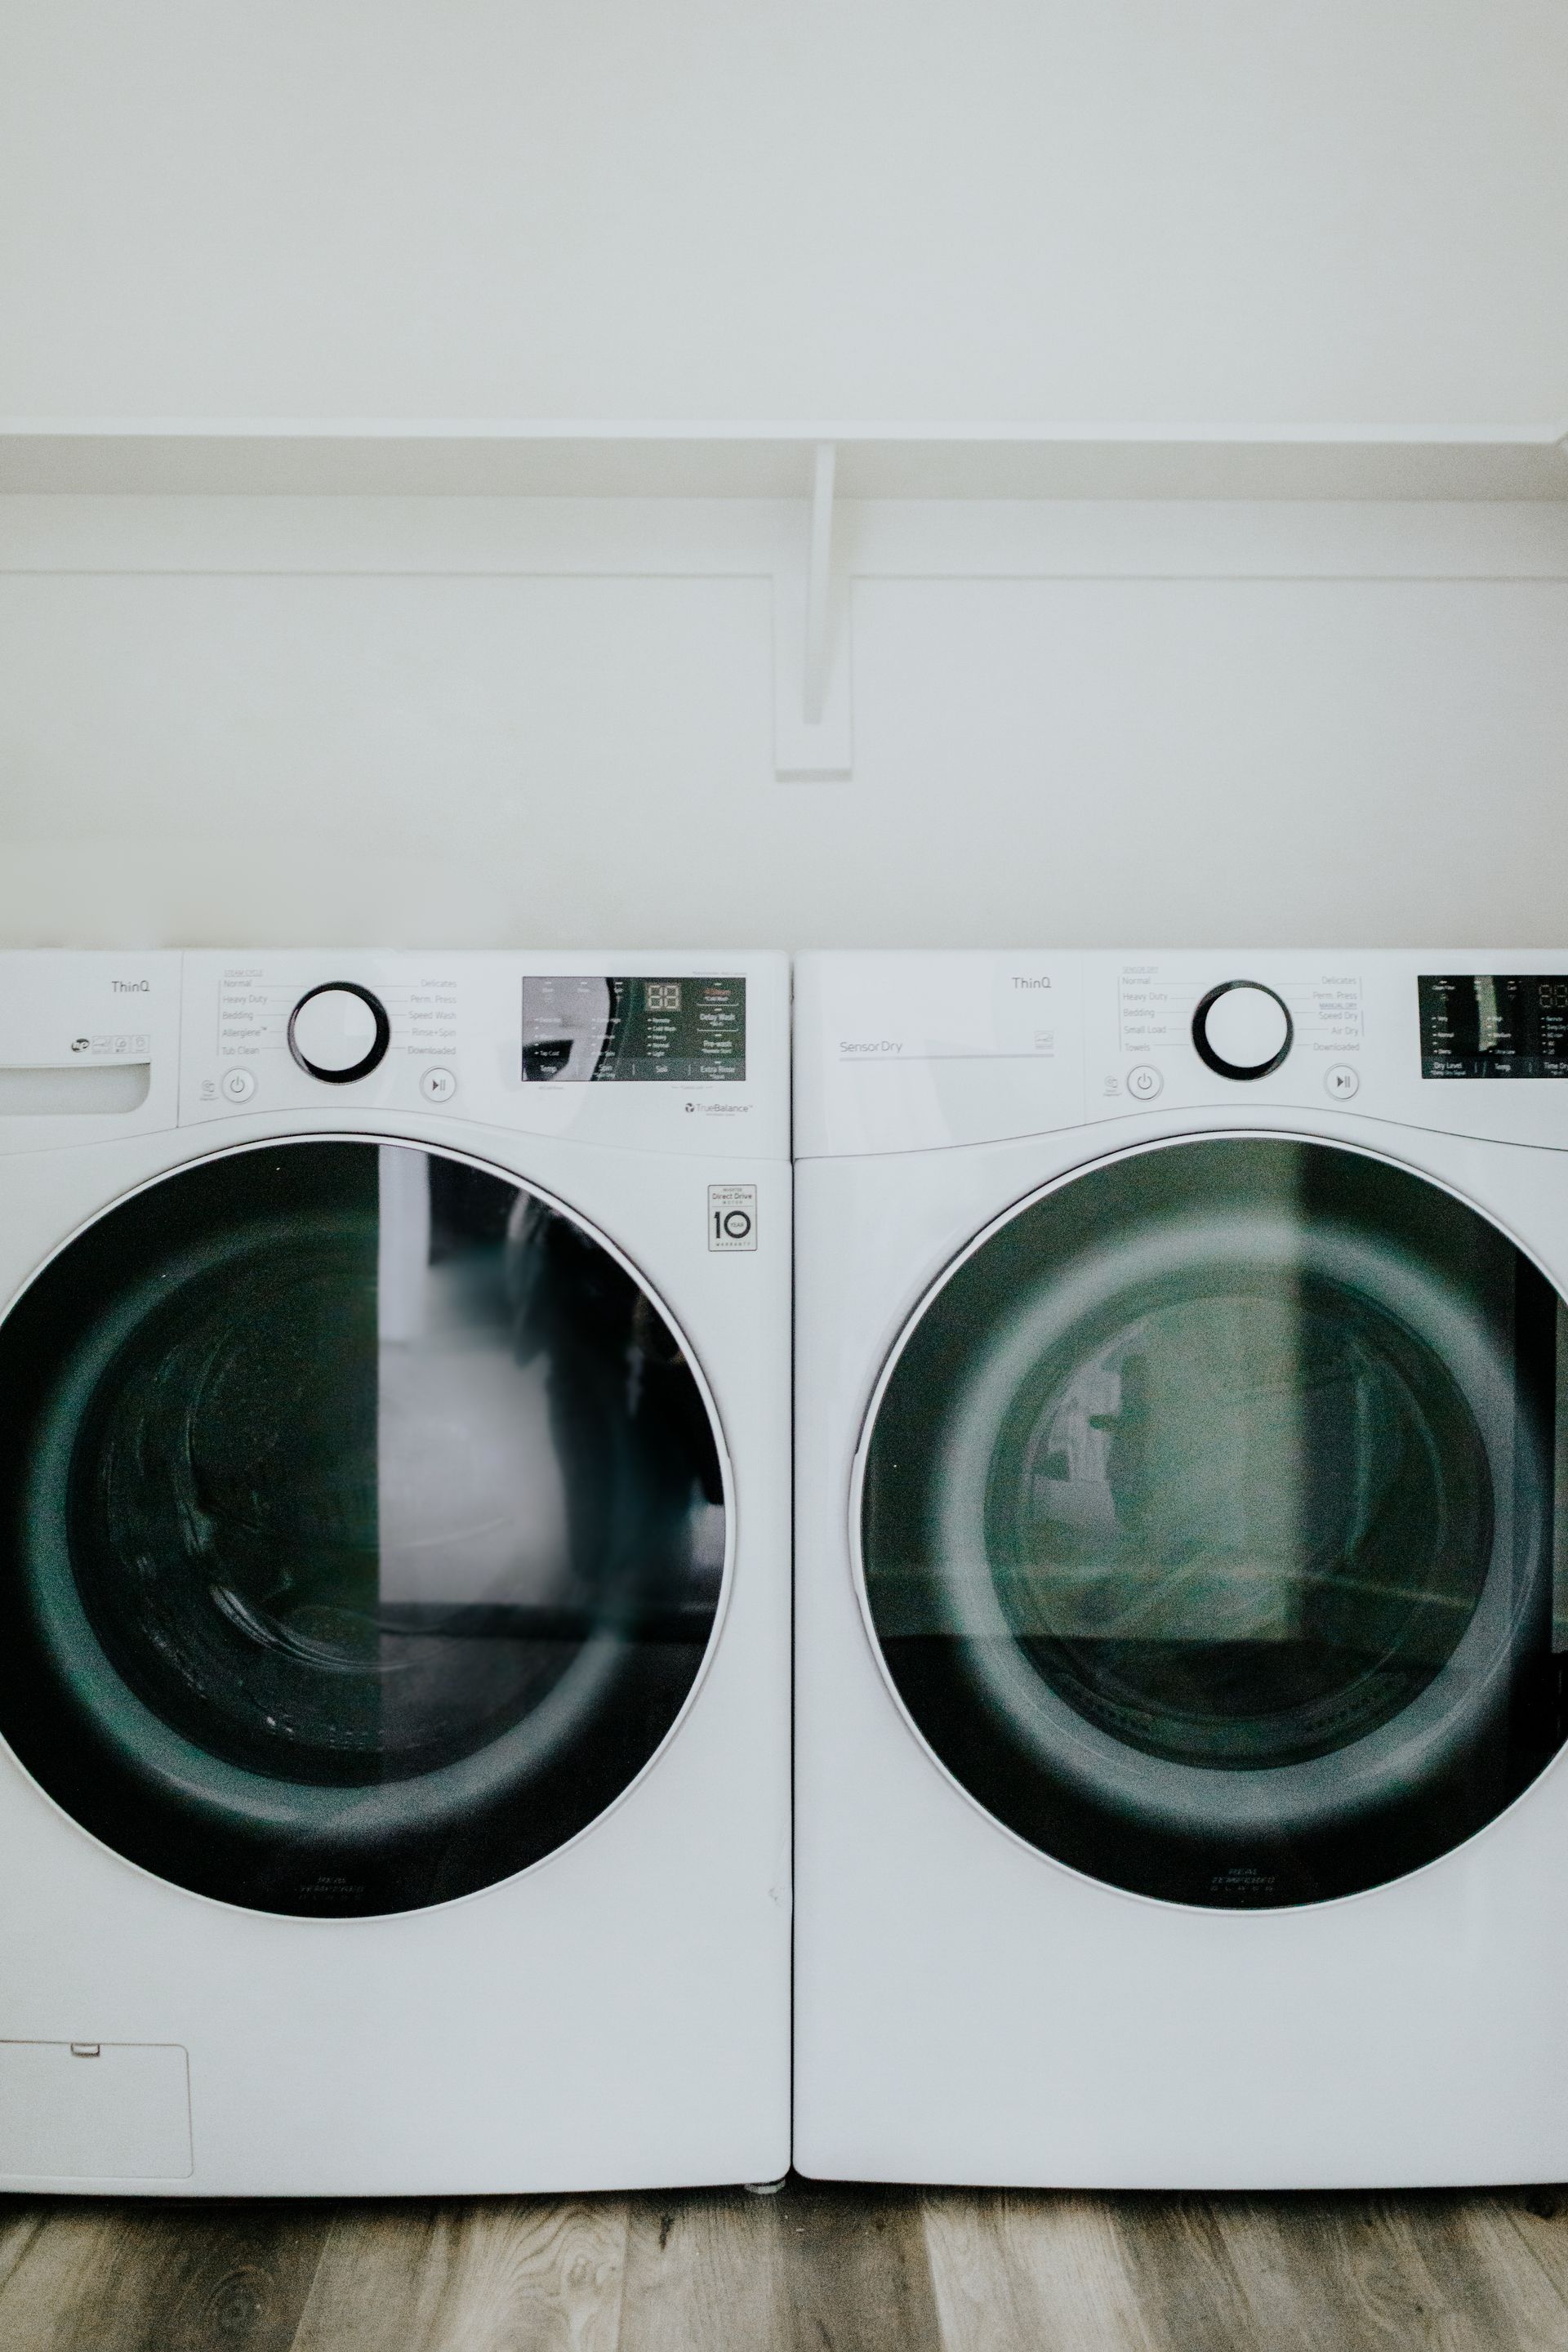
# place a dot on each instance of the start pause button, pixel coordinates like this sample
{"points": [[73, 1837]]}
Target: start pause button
{"points": [[731, 1216]]}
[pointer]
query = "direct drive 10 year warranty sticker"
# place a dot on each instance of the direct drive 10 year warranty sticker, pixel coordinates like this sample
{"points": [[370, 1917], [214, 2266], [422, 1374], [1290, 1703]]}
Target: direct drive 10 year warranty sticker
{"points": [[731, 1216]]}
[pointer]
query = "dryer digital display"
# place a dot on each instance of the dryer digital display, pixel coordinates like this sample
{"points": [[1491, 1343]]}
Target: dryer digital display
{"points": [[583, 1028], [1503, 1025]]}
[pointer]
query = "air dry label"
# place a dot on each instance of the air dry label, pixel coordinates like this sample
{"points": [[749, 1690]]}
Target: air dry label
{"points": [[731, 1216]]}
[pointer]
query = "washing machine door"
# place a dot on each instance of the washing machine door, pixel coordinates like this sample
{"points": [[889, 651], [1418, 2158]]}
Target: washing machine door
{"points": [[363, 1525], [1205, 1521]]}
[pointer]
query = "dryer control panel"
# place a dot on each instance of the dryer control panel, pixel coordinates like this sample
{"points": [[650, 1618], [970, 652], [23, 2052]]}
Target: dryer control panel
{"points": [[1494, 1025], [909, 1051]]}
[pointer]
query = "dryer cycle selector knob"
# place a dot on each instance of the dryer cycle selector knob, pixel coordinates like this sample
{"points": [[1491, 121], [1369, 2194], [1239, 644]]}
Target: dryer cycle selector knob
{"points": [[339, 1031], [1242, 1029]]}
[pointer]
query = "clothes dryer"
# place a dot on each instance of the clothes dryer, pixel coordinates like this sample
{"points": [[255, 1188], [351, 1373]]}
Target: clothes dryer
{"points": [[394, 1571], [1181, 1607]]}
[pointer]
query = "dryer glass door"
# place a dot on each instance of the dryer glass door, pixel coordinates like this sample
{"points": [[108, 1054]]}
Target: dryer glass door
{"points": [[1205, 1521], [363, 1527]]}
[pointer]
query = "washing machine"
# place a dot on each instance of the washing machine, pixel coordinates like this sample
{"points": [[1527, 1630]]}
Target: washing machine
{"points": [[1182, 1583], [394, 1571]]}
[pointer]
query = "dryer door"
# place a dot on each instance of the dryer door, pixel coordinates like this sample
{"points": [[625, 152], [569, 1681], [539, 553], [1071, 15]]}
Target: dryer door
{"points": [[363, 1527], [1205, 1521]]}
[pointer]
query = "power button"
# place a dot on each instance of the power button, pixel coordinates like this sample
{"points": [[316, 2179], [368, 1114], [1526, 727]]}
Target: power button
{"points": [[1144, 1081]]}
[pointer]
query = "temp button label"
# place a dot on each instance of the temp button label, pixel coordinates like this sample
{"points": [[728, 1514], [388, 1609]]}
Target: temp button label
{"points": [[731, 1216]]}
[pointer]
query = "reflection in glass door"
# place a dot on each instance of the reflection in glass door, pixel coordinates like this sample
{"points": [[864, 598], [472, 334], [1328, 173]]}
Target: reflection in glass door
{"points": [[365, 1534], [1206, 1521]]}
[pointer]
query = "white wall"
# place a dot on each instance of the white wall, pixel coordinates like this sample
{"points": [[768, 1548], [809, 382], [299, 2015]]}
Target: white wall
{"points": [[1205, 211], [1091, 211]]}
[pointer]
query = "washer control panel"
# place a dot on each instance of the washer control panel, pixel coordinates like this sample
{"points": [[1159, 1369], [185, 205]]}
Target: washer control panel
{"points": [[590, 1028], [524, 1040], [295, 1032]]}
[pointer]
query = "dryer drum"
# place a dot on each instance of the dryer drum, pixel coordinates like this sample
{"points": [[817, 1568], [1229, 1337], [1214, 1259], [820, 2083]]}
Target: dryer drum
{"points": [[1206, 1521], [363, 1529]]}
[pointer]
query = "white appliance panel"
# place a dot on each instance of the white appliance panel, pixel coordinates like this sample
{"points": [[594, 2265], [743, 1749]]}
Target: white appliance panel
{"points": [[968, 2007], [615, 2015]]}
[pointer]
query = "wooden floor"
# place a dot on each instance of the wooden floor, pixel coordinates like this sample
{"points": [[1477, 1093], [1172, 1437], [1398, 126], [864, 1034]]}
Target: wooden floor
{"points": [[807, 2270]]}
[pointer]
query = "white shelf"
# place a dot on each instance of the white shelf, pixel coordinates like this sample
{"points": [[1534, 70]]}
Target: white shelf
{"points": [[812, 507], [479, 458]]}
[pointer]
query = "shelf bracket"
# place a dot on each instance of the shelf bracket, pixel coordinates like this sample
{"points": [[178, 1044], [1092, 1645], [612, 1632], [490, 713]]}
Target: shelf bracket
{"points": [[812, 712]]}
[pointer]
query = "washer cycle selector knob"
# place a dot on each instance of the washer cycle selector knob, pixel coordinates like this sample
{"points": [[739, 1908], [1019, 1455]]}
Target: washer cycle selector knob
{"points": [[339, 1031], [1242, 1029]]}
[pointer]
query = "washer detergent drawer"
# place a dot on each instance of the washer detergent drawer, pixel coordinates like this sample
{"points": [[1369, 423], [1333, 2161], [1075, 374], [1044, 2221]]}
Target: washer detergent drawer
{"points": [[94, 2111]]}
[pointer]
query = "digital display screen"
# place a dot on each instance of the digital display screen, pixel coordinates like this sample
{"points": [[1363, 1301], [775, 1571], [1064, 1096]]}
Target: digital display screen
{"points": [[1508, 1026], [581, 1029]]}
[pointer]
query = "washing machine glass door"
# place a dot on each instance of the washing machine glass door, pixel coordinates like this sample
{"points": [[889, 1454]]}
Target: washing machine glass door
{"points": [[363, 1527], [1205, 1521]]}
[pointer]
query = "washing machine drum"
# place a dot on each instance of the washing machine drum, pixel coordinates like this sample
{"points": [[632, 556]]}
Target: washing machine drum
{"points": [[362, 1528], [1205, 1521]]}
